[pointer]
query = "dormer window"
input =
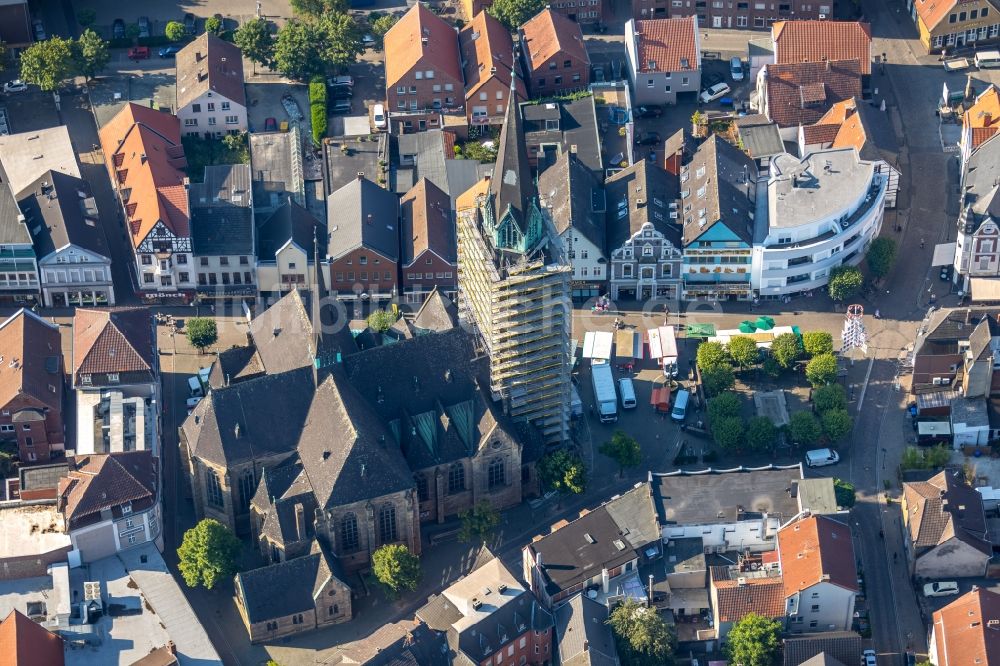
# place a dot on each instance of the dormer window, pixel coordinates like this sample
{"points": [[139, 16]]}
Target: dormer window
{"points": [[127, 508]]}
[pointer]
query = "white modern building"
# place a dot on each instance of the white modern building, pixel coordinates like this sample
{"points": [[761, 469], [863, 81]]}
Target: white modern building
{"points": [[817, 213]]}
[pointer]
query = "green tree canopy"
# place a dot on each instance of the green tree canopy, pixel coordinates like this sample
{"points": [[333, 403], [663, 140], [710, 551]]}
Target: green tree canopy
{"points": [[4, 55], [754, 641], [881, 256], [743, 350], [396, 568], [86, 17], [563, 471], [728, 432], [132, 32], [837, 424], [727, 404], [817, 342], [341, 40], [786, 349], [822, 369], [208, 554], [845, 282], [47, 64], [936, 457], [307, 48], [642, 637], [213, 24], [845, 493], [711, 355], [91, 53], [381, 26], [761, 433], [478, 522], [515, 13], [174, 31], [381, 321], [804, 428], [202, 332], [254, 38], [831, 396], [717, 379], [623, 449], [319, 7]]}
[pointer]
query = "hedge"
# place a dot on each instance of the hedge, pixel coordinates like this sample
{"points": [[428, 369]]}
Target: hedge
{"points": [[317, 90], [317, 109]]}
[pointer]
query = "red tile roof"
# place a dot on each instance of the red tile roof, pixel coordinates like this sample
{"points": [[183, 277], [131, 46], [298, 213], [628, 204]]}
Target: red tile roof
{"points": [[967, 631], [144, 155], [983, 117], [103, 481], [820, 133], [426, 223], [668, 45], [802, 93], [738, 597], [818, 41], [550, 33], [488, 51], [210, 64], [24, 642], [112, 340], [30, 360], [421, 37], [932, 12], [814, 550]]}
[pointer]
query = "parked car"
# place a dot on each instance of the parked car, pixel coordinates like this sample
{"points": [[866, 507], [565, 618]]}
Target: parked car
{"points": [[189, 23], [868, 658], [143, 26], [169, 51], [15, 86], [736, 68], [341, 106], [648, 139], [340, 92], [822, 457], [941, 589], [270, 125], [378, 117], [118, 29], [344, 80], [368, 41], [138, 53], [39, 30], [649, 111], [715, 92]]}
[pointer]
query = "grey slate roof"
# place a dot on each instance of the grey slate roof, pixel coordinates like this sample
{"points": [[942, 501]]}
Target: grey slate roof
{"points": [[686, 498], [61, 213], [362, 214], [979, 200], [582, 634], [723, 169], [575, 129], [636, 195], [347, 453], [843, 646], [234, 365], [512, 186], [280, 491], [425, 155], [278, 590], [12, 230], [574, 197], [221, 215], [437, 314], [290, 222], [881, 141]]}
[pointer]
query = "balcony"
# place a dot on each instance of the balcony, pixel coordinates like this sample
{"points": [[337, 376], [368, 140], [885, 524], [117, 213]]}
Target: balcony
{"points": [[873, 200]]}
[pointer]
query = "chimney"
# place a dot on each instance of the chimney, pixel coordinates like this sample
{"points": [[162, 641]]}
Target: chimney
{"points": [[300, 521], [586, 646], [649, 597], [361, 175], [171, 647]]}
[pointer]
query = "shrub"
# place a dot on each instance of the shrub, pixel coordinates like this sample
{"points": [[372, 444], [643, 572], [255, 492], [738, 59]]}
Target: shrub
{"points": [[318, 117], [844, 492], [381, 321], [717, 379], [727, 404], [817, 342], [822, 370], [831, 396]]}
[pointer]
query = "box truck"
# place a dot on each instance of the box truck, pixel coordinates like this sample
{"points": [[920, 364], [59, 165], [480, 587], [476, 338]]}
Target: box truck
{"points": [[604, 392]]}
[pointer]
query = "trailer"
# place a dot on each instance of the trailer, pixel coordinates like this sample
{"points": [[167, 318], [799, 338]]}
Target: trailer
{"points": [[663, 348], [605, 394]]}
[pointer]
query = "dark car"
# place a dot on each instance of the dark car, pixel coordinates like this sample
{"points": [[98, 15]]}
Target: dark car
{"points": [[169, 51], [143, 27], [189, 23], [341, 106], [118, 29], [648, 139], [39, 29], [340, 92]]}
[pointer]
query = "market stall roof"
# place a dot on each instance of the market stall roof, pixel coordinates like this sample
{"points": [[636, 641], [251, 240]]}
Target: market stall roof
{"points": [[597, 344], [628, 345], [662, 343]]}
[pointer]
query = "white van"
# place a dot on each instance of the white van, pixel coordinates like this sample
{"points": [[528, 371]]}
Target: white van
{"points": [[627, 391], [680, 405], [987, 59], [822, 457], [194, 384]]}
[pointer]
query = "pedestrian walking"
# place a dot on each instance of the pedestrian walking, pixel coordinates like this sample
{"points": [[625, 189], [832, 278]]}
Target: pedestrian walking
{"points": [[877, 314], [921, 243]]}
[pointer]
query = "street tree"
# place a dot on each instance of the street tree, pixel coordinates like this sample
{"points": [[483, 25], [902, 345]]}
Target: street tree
{"points": [[822, 370], [845, 282], [132, 32], [396, 568], [786, 349], [837, 424], [208, 554], [213, 24], [719, 407], [754, 641], [623, 449], [515, 13], [47, 64], [728, 432], [881, 256], [91, 54], [381, 26], [743, 350], [175, 31], [563, 472], [845, 493], [478, 522], [255, 40], [761, 433], [86, 17], [341, 40], [804, 428], [711, 355], [319, 7], [817, 342], [717, 379], [642, 637], [831, 396], [381, 321], [202, 332]]}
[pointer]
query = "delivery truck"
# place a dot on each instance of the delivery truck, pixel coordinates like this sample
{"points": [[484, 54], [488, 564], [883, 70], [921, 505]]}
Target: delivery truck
{"points": [[605, 394]]}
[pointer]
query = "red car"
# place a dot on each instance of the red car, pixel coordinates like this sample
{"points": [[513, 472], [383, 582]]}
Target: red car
{"points": [[138, 53], [270, 125]]}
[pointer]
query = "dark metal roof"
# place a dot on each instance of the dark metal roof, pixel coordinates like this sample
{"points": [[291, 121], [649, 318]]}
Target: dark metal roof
{"points": [[637, 195], [60, 210], [512, 186], [727, 176], [290, 222], [221, 216], [574, 197], [279, 590]]}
